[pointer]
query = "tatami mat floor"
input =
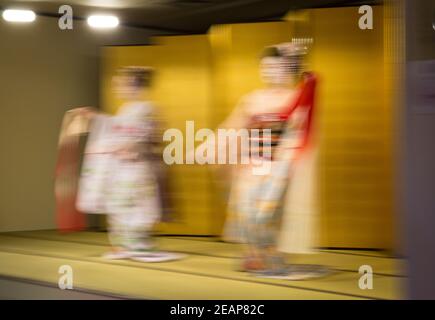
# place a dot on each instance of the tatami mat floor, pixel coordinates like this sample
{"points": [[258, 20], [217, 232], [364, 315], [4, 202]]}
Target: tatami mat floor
{"points": [[208, 272]]}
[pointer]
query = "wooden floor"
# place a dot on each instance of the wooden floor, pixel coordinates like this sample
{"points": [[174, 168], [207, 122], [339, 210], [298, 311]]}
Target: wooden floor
{"points": [[208, 272]]}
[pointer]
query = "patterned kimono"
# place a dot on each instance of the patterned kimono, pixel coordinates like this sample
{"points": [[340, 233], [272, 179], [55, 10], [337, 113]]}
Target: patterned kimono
{"points": [[258, 200], [132, 194]]}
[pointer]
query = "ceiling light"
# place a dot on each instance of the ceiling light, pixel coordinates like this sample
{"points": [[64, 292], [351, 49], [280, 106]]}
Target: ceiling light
{"points": [[19, 15], [100, 21]]}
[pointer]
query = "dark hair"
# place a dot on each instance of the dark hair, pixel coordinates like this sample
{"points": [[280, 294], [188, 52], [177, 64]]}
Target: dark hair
{"points": [[272, 51], [142, 76], [293, 62]]}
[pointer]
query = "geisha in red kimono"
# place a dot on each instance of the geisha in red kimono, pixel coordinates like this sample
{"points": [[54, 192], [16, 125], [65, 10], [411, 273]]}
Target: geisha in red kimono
{"points": [[285, 107]]}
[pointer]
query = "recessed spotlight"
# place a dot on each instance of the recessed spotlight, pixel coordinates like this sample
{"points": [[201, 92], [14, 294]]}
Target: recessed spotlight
{"points": [[15, 15], [103, 22]]}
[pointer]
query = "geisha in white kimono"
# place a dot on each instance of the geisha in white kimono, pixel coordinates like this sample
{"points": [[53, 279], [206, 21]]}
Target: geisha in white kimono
{"points": [[131, 194], [132, 199], [122, 168]]}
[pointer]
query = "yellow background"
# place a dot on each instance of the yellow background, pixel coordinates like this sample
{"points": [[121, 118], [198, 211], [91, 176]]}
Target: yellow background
{"points": [[202, 77]]}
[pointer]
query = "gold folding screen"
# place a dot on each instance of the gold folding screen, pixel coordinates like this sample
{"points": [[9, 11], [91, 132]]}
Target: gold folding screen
{"points": [[355, 127], [202, 77]]}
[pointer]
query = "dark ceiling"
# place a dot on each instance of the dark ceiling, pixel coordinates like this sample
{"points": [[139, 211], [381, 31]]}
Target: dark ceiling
{"points": [[179, 16]]}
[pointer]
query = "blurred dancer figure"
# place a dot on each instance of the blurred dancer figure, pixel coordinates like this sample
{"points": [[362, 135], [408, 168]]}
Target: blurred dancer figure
{"points": [[284, 107], [122, 173], [132, 199]]}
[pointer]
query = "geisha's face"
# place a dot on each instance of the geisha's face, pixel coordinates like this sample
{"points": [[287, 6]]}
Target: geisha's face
{"points": [[124, 87], [275, 71]]}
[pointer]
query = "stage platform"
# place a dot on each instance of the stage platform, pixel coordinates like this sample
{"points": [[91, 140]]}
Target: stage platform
{"points": [[29, 264]]}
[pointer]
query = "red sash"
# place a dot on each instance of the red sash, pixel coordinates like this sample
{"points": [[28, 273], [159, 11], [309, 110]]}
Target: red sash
{"points": [[305, 100]]}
